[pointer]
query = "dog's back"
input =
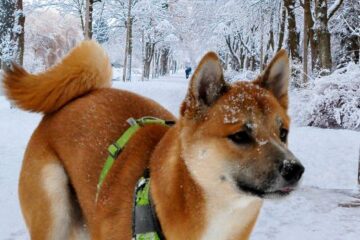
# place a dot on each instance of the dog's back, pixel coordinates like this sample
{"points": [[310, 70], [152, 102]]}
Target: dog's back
{"points": [[67, 151]]}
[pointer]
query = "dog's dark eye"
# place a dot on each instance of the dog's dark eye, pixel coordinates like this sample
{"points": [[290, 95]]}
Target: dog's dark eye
{"points": [[240, 138], [283, 134]]}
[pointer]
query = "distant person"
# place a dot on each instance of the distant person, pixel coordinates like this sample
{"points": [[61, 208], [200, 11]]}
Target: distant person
{"points": [[188, 71]]}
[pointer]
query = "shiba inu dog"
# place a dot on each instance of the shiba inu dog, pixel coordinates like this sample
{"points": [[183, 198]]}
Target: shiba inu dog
{"points": [[209, 172]]}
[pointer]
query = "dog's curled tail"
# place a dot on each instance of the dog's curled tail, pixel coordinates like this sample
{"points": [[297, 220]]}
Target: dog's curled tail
{"points": [[85, 68]]}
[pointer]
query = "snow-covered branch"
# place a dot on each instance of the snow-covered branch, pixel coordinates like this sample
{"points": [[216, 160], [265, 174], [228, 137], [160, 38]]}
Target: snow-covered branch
{"points": [[332, 10]]}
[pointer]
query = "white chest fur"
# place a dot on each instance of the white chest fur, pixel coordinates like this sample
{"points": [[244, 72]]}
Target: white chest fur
{"points": [[229, 221]]}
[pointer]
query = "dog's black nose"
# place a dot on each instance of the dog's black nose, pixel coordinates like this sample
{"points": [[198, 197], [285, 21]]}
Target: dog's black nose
{"points": [[291, 171]]}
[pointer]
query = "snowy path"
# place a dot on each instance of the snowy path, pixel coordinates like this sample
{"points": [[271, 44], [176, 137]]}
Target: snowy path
{"points": [[313, 212]]}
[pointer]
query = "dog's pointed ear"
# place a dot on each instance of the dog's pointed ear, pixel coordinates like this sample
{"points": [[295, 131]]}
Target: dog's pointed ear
{"points": [[206, 86], [275, 77]]}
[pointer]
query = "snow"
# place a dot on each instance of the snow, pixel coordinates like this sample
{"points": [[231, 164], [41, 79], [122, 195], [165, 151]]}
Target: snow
{"points": [[312, 212], [16, 127], [330, 101]]}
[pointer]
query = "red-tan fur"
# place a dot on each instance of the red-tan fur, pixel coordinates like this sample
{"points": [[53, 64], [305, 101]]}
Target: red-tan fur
{"points": [[83, 117]]}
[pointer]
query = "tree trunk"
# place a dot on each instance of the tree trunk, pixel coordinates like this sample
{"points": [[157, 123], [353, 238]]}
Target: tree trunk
{"points": [[128, 46], [164, 60], [81, 15], [293, 39], [174, 66], [359, 169], [226, 64], [262, 42], [357, 52], [270, 44], [306, 42], [233, 45], [312, 39], [17, 34], [12, 23], [143, 53], [323, 36], [282, 28], [253, 63], [22, 34], [88, 19], [148, 57], [147, 70], [126, 54], [242, 59], [157, 64], [153, 72]]}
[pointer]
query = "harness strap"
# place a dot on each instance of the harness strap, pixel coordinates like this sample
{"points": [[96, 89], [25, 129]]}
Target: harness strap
{"points": [[156, 222], [115, 148], [145, 224]]}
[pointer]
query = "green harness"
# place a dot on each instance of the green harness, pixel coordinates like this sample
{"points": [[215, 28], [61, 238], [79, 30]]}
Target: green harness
{"points": [[145, 223]]}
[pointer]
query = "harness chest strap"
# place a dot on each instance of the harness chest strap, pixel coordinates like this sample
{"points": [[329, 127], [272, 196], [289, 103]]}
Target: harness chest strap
{"points": [[145, 225]]}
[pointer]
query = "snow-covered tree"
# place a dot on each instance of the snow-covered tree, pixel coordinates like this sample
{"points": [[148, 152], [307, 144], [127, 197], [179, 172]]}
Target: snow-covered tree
{"points": [[346, 29], [12, 22], [153, 24], [49, 36]]}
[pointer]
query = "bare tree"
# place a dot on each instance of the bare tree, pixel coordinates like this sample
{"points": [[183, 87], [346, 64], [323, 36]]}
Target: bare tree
{"points": [[293, 39], [233, 45], [318, 32], [270, 47], [282, 28], [19, 33], [305, 40], [349, 32], [323, 35], [308, 18], [87, 33], [148, 57], [128, 47], [89, 9], [164, 61]]}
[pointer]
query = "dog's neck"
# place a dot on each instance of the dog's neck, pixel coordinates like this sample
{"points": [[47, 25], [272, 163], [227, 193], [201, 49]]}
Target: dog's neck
{"points": [[185, 210], [177, 198]]}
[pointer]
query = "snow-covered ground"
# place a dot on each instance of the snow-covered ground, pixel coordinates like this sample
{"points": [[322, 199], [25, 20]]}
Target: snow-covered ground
{"points": [[315, 211]]}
